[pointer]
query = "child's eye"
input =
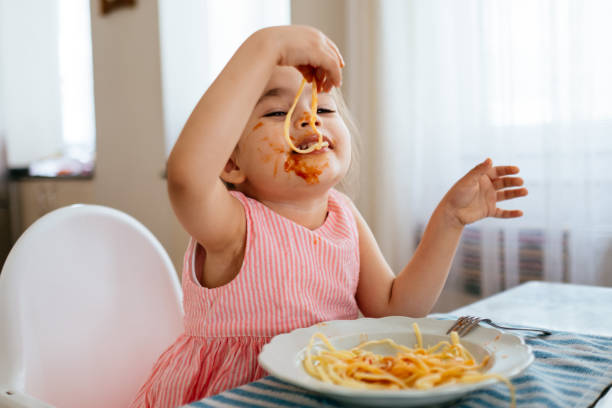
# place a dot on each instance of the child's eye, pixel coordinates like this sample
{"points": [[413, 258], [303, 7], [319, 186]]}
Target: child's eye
{"points": [[277, 113], [323, 110], [320, 111]]}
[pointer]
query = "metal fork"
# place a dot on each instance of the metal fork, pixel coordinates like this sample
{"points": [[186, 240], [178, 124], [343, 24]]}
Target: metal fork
{"points": [[465, 324]]}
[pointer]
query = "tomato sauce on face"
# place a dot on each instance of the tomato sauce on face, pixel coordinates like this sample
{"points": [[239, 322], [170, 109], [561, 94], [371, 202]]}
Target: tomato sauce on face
{"points": [[305, 117], [303, 167], [267, 157], [300, 164]]}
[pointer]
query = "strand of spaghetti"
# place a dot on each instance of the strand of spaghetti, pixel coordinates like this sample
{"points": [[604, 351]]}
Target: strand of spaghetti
{"points": [[314, 101], [308, 360], [383, 341], [454, 338], [417, 333], [313, 114], [325, 340], [441, 344]]}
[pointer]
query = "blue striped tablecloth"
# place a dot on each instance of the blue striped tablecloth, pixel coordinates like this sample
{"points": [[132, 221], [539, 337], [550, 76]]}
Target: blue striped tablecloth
{"points": [[570, 370]]}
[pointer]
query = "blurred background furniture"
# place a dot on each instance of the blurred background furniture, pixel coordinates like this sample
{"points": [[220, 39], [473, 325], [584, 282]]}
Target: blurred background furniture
{"points": [[88, 300]]}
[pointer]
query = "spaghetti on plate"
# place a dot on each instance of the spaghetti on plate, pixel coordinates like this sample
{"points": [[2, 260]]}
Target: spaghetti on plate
{"points": [[419, 368]]}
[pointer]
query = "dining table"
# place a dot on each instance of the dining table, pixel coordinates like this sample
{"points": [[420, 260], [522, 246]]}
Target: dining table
{"points": [[572, 366]]}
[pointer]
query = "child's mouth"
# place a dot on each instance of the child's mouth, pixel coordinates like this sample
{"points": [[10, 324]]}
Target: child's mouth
{"points": [[313, 140], [305, 146]]}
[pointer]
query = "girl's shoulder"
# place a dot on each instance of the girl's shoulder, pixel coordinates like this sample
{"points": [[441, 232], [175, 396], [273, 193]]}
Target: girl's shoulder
{"points": [[240, 196], [341, 197], [343, 201]]}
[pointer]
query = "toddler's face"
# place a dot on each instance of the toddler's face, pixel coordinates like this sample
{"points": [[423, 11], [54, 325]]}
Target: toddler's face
{"points": [[271, 168]]}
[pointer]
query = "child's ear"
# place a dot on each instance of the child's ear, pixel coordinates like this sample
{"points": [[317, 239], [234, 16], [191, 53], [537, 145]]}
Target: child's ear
{"points": [[231, 172]]}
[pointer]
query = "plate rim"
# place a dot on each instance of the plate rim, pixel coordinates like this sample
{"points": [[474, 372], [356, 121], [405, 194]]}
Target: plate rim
{"points": [[338, 391]]}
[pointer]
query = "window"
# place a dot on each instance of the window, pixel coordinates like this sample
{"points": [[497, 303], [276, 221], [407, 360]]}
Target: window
{"points": [[525, 82], [46, 86]]}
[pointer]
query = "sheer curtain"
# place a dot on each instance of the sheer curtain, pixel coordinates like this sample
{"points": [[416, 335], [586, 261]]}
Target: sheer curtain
{"points": [[46, 83], [525, 82]]}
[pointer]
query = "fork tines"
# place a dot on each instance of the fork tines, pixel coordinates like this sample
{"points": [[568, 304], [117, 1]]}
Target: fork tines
{"points": [[464, 324]]}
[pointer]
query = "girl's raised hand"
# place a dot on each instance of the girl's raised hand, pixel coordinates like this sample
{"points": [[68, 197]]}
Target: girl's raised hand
{"points": [[310, 51], [475, 196]]}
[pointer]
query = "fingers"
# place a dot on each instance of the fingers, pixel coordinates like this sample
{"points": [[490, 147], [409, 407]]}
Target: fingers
{"points": [[331, 72], [500, 181], [499, 213], [482, 168], [326, 65], [507, 182], [320, 76], [307, 71], [500, 171], [507, 195], [486, 167], [510, 194], [324, 82], [312, 53], [337, 51]]}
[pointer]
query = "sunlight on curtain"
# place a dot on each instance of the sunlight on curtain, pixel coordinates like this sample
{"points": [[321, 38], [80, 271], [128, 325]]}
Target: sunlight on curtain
{"points": [[46, 83], [524, 82], [76, 79], [197, 39]]}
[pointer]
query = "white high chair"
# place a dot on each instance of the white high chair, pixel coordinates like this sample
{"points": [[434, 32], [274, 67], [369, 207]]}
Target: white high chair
{"points": [[88, 301]]}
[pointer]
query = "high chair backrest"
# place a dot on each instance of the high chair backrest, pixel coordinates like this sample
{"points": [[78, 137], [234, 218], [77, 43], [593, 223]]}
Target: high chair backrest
{"points": [[88, 300]]}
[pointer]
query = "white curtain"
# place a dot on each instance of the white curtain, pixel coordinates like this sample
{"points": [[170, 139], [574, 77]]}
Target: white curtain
{"points": [[525, 82], [46, 80]]}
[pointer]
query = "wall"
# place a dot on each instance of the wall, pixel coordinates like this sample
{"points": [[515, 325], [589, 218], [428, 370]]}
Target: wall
{"points": [[129, 124], [326, 15]]}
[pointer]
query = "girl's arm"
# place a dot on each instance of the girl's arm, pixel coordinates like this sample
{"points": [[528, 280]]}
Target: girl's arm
{"points": [[199, 198], [416, 288]]}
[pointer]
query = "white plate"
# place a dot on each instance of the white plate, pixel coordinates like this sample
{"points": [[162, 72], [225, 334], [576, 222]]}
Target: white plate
{"points": [[282, 357]]}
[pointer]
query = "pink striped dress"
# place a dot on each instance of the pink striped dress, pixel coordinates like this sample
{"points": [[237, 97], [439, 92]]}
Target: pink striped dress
{"points": [[291, 277]]}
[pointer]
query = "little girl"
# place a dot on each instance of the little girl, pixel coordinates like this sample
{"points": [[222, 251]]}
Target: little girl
{"points": [[274, 246]]}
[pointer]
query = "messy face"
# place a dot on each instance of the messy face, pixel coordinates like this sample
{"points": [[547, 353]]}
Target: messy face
{"points": [[271, 167]]}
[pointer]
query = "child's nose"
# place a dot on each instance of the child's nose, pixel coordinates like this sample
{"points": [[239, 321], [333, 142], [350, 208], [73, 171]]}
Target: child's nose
{"points": [[305, 121]]}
